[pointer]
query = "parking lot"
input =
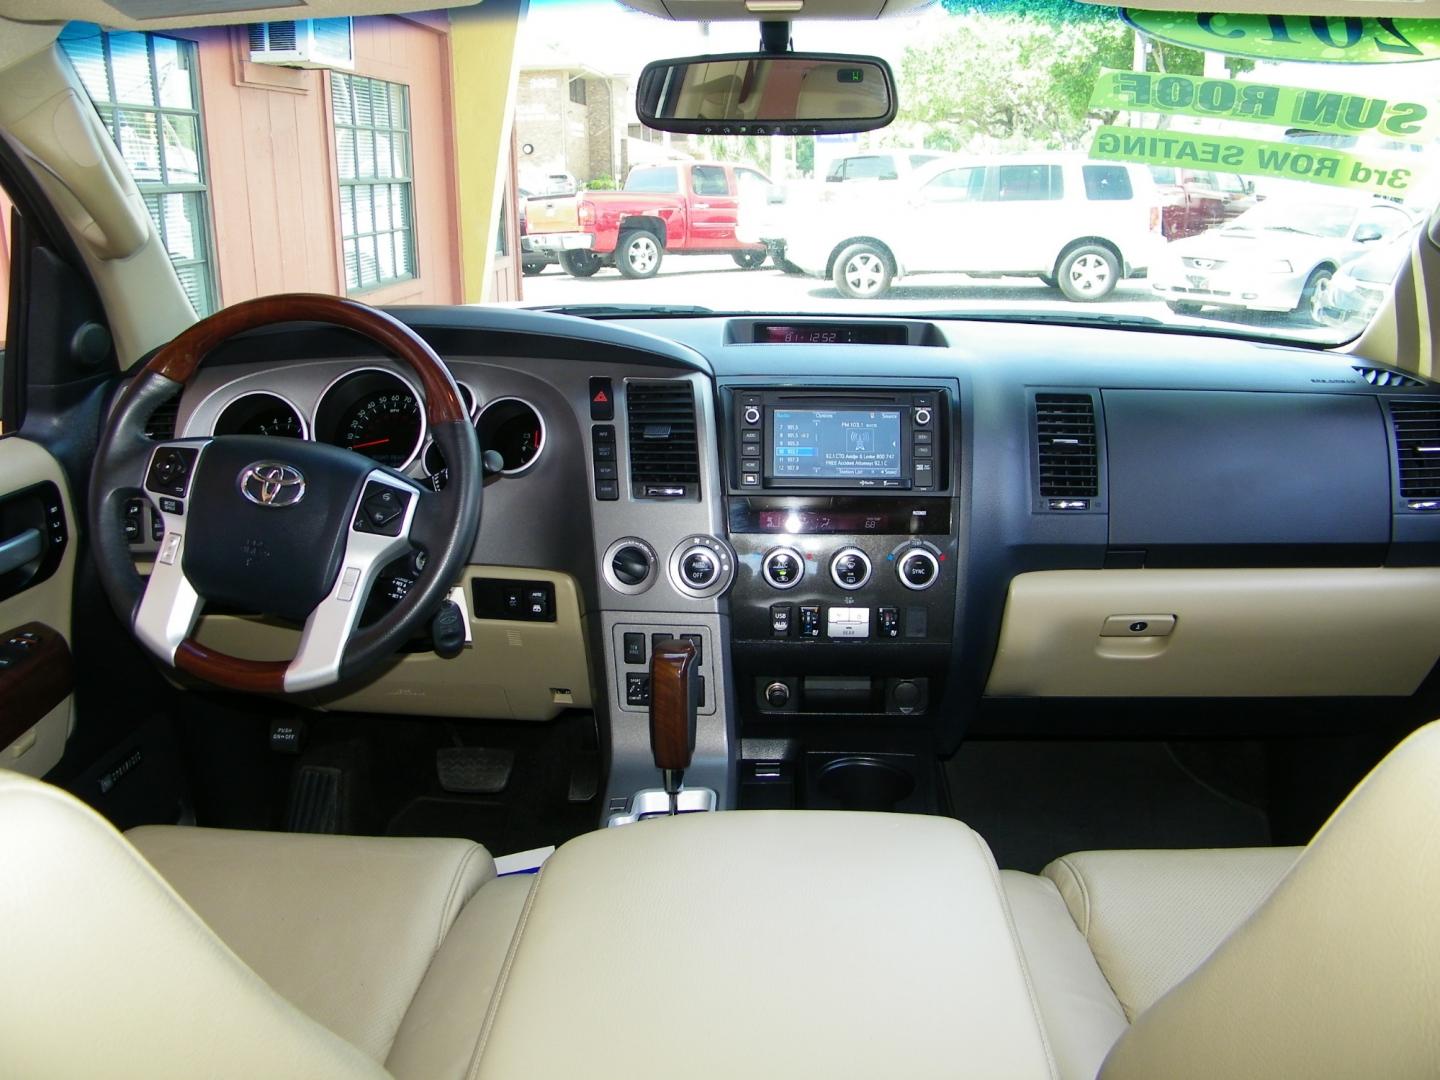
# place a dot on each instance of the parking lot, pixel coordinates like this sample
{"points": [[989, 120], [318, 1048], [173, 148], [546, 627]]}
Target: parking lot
{"points": [[715, 282]]}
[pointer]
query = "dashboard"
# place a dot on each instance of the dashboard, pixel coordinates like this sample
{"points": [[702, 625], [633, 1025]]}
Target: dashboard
{"points": [[886, 531]]}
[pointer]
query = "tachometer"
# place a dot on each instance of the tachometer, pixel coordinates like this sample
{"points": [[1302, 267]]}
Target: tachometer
{"points": [[373, 413], [260, 414]]}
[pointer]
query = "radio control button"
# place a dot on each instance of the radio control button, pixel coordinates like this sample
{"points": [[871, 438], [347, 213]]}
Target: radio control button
{"points": [[751, 415], [750, 437], [783, 568], [918, 569], [922, 416], [924, 438], [850, 568]]}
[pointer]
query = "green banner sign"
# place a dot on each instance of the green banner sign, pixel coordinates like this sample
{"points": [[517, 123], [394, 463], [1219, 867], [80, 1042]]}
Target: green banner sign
{"points": [[1260, 103], [1384, 174], [1324, 39]]}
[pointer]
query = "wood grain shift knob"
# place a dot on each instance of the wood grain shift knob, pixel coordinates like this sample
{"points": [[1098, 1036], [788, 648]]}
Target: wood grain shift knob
{"points": [[674, 700]]}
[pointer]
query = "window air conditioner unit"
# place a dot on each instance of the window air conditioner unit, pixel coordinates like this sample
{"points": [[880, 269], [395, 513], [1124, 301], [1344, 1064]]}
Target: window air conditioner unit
{"points": [[305, 43]]}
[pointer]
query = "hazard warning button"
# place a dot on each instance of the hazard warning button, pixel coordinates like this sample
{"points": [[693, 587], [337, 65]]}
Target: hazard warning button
{"points": [[602, 399]]}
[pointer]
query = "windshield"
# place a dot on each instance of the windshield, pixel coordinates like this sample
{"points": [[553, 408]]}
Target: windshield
{"points": [[1305, 218], [1048, 161]]}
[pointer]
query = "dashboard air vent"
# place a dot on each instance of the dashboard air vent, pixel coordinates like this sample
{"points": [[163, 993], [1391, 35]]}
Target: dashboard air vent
{"points": [[161, 424], [664, 442], [1417, 451], [1067, 451], [1378, 376]]}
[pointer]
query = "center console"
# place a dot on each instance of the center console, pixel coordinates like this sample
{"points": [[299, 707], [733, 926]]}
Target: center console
{"points": [[842, 511]]}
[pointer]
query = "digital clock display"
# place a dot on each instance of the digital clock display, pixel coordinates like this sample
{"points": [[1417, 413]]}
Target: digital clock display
{"points": [[828, 334]]}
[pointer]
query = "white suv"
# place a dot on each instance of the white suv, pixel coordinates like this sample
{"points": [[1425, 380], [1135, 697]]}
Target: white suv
{"points": [[1077, 224]]}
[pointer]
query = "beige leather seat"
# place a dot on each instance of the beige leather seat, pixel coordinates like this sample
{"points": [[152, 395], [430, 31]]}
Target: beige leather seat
{"points": [[198, 952], [1321, 961]]}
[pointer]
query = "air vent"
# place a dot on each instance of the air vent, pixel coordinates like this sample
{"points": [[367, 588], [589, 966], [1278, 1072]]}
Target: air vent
{"points": [[1066, 450], [1417, 451], [664, 444], [1378, 376], [161, 423]]}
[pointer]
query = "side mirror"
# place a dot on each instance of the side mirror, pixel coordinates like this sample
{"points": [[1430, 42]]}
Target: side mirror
{"points": [[767, 94], [1367, 233]]}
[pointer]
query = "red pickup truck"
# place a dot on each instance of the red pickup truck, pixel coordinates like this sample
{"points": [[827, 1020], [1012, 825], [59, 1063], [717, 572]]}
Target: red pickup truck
{"points": [[686, 207]]}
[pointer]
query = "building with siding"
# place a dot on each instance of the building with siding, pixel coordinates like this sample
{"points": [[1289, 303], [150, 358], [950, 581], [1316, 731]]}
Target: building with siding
{"points": [[264, 178]]}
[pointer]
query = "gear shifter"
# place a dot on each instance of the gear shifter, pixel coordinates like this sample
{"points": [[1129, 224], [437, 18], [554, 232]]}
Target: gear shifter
{"points": [[674, 700]]}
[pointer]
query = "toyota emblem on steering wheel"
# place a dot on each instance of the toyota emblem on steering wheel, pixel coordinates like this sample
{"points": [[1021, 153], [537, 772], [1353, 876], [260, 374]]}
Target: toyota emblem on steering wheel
{"points": [[269, 483]]}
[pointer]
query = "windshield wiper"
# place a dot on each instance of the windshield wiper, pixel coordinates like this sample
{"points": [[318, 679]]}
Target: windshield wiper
{"points": [[605, 311], [1290, 229]]}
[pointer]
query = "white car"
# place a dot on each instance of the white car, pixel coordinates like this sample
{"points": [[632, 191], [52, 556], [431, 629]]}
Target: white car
{"points": [[1280, 256], [1079, 224]]}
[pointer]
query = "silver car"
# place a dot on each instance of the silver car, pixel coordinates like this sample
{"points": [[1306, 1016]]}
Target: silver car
{"points": [[1281, 256]]}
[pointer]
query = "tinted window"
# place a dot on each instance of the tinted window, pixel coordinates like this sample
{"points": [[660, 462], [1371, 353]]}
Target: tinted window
{"points": [[1163, 174], [709, 180], [956, 185], [1030, 183], [916, 160], [1106, 183], [658, 181], [872, 167]]}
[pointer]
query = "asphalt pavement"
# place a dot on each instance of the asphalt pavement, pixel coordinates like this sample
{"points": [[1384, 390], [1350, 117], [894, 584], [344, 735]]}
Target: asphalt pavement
{"points": [[715, 282]]}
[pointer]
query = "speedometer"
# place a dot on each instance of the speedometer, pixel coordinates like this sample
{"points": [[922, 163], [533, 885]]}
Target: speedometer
{"points": [[372, 412], [385, 427]]}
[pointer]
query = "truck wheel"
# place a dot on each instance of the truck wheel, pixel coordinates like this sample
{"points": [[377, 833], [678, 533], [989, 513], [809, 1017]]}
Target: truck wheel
{"points": [[530, 269], [580, 263], [638, 254], [1315, 297], [748, 260], [1089, 273], [862, 271]]}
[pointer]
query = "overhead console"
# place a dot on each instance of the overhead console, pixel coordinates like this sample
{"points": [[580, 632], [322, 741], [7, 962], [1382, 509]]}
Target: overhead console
{"points": [[841, 512]]}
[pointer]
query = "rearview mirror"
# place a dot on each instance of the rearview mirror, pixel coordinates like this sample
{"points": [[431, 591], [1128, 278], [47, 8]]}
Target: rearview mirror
{"points": [[767, 94]]}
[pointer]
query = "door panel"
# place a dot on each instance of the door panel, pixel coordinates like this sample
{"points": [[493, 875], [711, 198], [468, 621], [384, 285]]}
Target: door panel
{"points": [[37, 575], [714, 208]]}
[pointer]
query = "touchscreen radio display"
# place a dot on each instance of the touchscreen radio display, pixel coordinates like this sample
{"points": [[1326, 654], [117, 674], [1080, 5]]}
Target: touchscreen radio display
{"points": [[836, 444]]}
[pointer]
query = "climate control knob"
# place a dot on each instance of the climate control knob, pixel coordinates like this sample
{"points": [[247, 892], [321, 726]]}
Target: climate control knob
{"points": [[782, 567], [850, 568], [918, 569], [699, 568]]}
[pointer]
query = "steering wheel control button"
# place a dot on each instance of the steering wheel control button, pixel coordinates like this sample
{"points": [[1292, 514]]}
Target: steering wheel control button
{"points": [[170, 470], [382, 509], [848, 622], [172, 506], [602, 398], [781, 618], [917, 569], [349, 581], [783, 568], [170, 548], [850, 568]]}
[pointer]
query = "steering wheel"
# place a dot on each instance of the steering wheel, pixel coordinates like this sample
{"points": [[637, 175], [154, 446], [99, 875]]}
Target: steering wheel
{"points": [[279, 526]]}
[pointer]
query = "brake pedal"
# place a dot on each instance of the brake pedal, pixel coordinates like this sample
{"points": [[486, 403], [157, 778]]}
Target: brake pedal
{"points": [[474, 770]]}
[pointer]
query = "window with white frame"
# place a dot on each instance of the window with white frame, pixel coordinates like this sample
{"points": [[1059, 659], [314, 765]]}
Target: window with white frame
{"points": [[372, 147]]}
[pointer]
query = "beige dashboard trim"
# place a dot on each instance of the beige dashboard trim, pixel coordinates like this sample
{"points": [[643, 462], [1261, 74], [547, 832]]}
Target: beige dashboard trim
{"points": [[512, 671], [1367, 631]]}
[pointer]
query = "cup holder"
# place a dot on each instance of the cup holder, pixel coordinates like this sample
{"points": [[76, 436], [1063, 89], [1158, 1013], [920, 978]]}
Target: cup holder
{"points": [[865, 783]]}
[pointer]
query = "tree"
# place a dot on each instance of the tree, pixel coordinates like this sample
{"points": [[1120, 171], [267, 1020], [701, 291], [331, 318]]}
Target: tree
{"points": [[1015, 74]]}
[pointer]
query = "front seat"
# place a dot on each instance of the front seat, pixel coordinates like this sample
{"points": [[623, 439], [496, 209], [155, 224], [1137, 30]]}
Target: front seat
{"points": [[201, 952], [1321, 961]]}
